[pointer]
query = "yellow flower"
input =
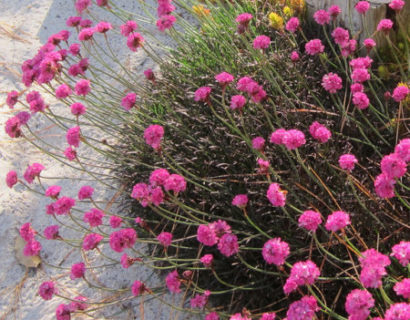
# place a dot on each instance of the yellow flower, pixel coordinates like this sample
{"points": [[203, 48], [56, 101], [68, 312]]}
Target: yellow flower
{"points": [[288, 11], [275, 21], [201, 11]]}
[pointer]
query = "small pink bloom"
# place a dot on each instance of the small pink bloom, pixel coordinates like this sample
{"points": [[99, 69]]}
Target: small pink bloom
{"points": [[319, 132], [263, 166], [393, 166], [78, 109], [138, 288], [314, 47], [385, 25], [237, 102], [122, 239], [347, 162], [32, 172], [302, 273], [340, 36], [129, 101], [153, 136], [11, 178], [244, 18], [53, 191], [358, 303], [115, 222], [91, 241], [12, 98], [356, 87], [103, 27], [202, 94], [398, 311], [207, 260], [275, 251], [402, 150], [199, 301], [310, 220], [373, 265], [165, 22], [293, 24], [73, 21], [384, 186], [77, 270], [361, 100], [47, 290], [27, 232], [73, 136], [86, 23], [86, 192], [128, 28], [12, 127], [360, 75], [32, 248], [224, 78], [321, 17], [63, 91], [268, 316], [402, 288], [369, 43], [51, 232], [397, 5], [261, 42], [240, 200], [94, 217], [82, 5], [135, 41], [78, 304], [334, 11], [293, 139], [220, 227], [102, 3], [277, 136], [149, 75], [175, 183], [337, 220], [82, 87], [401, 252], [158, 177], [63, 205], [164, 8], [63, 312], [400, 93], [361, 63], [165, 238], [276, 196], [303, 309], [228, 244], [173, 282], [362, 7], [206, 235], [294, 56], [258, 143], [331, 82], [86, 34]]}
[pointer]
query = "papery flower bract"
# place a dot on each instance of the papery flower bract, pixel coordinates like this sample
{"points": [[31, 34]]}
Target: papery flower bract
{"points": [[12, 98], [32, 172], [362, 7], [401, 252], [94, 217], [258, 143], [385, 25], [303, 309], [397, 5], [173, 282], [337, 220], [228, 244], [135, 41], [293, 139], [384, 186], [51, 232], [334, 11], [361, 100], [320, 132], [240, 200], [63, 91], [153, 136], [347, 162], [310, 220], [206, 235], [129, 101], [11, 178], [393, 166], [400, 93], [340, 36], [402, 288], [122, 239], [261, 42], [165, 22], [314, 47], [293, 24], [358, 303], [47, 290], [73, 136], [331, 82], [398, 311], [275, 251], [276, 196], [224, 78], [63, 312], [321, 17], [360, 75], [86, 34], [103, 27], [202, 94], [402, 149], [165, 238], [115, 222], [53, 191], [237, 102], [91, 241], [128, 28], [85, 192], [175, 183], [207, 260], [77, 270], [137, 288], [82, 87], [32, 248], [27, 232]]}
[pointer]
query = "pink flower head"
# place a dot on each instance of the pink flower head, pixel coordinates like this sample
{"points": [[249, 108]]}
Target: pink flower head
{"points": [[321, 17], [102, 3], [369, 43], [153, 136], [358, 303], [207, 260], [115, 222], [385, 25], [78, 109], [398, 311], [32, 172], [202, 94], [258, 143], [86, 34], [384, 186], [347, 162], [158, 177], [175, 183], [397, 5], [293, 139], [199, 301], [73, 136], [334, 11], [220, 227], [103, 27], [82, 87], [238, 316], [23, 116], [362, 7], [401, 252], [294, 56], [77, 270], [11, 178], [320, 132], [12, 98], [277, 136], [400, 93], [402, 288], [47, 290], [128, 28], [314, 47], [337, 220], [51, 232], [361, 63], [360, 75], [140, 192], [228, 244], [157, 196], [340, 36], [356, 87], [165, 238], [244, 18], [63, 312], [27, 232], [138, 288], [91, 241], [261, 42], [263, 166], [173, 282], [32, 248], [63, 205], [303, 309], [165, 22], [78, 304], [275, 251], [122, 239], [149, 75], [85, 192], [393, 166], [135, 41], [129, 100], [310, 220], [82, 5], [164, 8], [126, 261], [293, 24], [63, 91], [373, 265], [237, 102], [268, 316], [53, 191], [224, 78], [73, 21], [240, 200], [303, 273], [276, 196], [86, 23], [361, 100], [94, 217], [402, 149], [206, 235], [331, 82]]}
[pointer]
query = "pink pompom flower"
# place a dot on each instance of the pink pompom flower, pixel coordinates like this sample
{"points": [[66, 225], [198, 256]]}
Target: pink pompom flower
{"points": [[362, 7], [244, 18], [384, 186], [85, 192], [402, 288], [358, 304], [135, 41], [73, 136], [321, 17], [360, 75], [27, 233], [63, 312], [94, 217], [369, 43], [165, 238], [173, 282], [268, 316], [277, 136], [275, 251], [294, 56], [82, 87], [314, 47], [47, 290], [53, 191], [385, 25], [334, 11], [337, 221], [91, 241], [11, 178], [310, 220], [276, 196], [402, 149], [202, 94], [158, 177], [401, 252], [373, 265], [228, 244], [82, 5], [393, 166], [347, 162], [258, 143], [361, 100], [128, 28], [331, 82], [32, 248], [77, 270], [63, 91], [207, 260], [261, 42], [165, 22], [237, 102], [78, 109], [73, 21], [123, 239], [293, 24], [263, 166], [224, 78], [356, 87], [302, 273], [199, 301], [129, 101], [400, 93], [240, 200], [398, 311], [320, 132], [32, 172], [340, 36], [103, 27], [206, 235], [397, 5], [115, 222], [51, 232], [63, 205], [153, 136], [86, 34], [138, 288], [293, 139], [12, 98], [175, 183], [303, 309]]}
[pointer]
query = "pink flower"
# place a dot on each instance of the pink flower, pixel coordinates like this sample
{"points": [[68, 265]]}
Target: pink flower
{"points": [[85, 192], [361, 100], [53, 191], [373, 265], [165, 8], [207, 260], [128, 28], [337, 220], [94, 217], [63, 205], [157, 196], [91, 241], [199, 301], [369, 43], [393, 166], [122, 239], [165, 238], [175, 183], [294, 56], [331, 82], [173, 282], [140, 192], [102, 3], [275, 251], [237, 102], [126, 261], [220, 227], [158, 177], [303, 309], [263, 166], [212, 316], [362, 7], [277, 136], [224, 78], [385, 25], [165, 22], [403, 288], [63, 312], [32, 172], [115, 222], [400, 93], [268, 316], [293, 139], [228, 244], [135, 41], [78, 304], [149, 75], [86, 23], [360, 75], [276, 196], [401, 252], [384, 186], [153, 136], [86, 34], [321, 17], [206, 235], [340, 36], [47, 290], [310, 220], [129, 101], [361, 63], [73, 136], [82, 87], [314, 47], [73, 21], [12, 98], [244, 18], [358, 303], [82, 5], [356, 87], [77, 270], [202, 94], [51, 232], [240, 200], [402, 150], [238, 316], [32, 248], [63, 91], [302, 273], [347, 162], [246, 84], [261, 42], [320, 132], [292, 25], [27, 232], [103, 27], [334, 11], [11, 178], [397, 5], [258, 143], [138, 288], [78, 109], [398, 311]]}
